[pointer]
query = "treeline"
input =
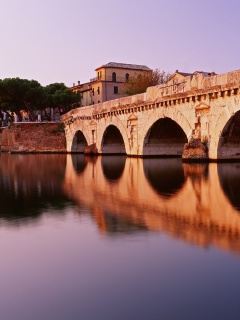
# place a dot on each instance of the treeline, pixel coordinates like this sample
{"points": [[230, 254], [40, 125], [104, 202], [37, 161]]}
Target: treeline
{"points": [[18, 94]]}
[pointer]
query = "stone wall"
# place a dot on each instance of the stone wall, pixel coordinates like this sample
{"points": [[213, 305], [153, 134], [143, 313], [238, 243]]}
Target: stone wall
{"points": [[33, 138], [1, 130]]}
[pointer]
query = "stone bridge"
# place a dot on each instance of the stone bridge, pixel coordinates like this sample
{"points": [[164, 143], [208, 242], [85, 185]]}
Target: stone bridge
{"points": [[158, 124]]}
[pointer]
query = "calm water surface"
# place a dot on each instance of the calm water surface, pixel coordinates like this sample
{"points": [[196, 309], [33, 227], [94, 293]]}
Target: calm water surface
{"points": [[118, 238]]}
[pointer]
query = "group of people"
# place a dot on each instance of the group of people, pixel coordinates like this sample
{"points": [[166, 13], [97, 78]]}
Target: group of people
{"points": [[6, 119]]}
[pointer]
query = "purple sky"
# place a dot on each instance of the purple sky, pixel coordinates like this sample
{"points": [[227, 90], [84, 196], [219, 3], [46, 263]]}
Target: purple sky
{"points": [[66, 40]]}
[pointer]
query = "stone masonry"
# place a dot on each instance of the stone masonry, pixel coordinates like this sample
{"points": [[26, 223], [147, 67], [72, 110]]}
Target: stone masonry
{"points": [[203, 111], [33, 138]]}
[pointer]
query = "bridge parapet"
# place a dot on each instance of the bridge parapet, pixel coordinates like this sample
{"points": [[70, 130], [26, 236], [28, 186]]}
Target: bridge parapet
{"points": [[198, 88], [152, 100], [198, 81]]}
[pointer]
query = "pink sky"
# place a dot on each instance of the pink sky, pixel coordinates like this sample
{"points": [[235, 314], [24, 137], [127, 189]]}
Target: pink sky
{"points": [[65, 40]]}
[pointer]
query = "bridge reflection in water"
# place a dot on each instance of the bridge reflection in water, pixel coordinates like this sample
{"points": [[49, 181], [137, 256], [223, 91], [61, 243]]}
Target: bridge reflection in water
{"points": [[197, 203]]}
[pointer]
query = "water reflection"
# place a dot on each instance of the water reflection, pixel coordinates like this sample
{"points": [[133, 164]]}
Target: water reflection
{"points": [[229, 175], [112, 224], [99, 257], [198, 174], [189, 203], [165, 175], [29, 184], [113, 167], [197, 203], [79, 162]]}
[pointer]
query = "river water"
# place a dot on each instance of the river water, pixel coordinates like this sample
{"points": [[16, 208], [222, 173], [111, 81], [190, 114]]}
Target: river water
{"points": [[118, 238]]}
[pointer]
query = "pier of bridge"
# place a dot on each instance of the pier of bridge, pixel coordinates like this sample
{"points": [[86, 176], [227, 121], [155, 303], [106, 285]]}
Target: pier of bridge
{"points": [[158, 124]]}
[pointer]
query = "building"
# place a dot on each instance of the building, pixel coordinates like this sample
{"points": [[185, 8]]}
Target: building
{"points": [[178, 80], [108, 82]]}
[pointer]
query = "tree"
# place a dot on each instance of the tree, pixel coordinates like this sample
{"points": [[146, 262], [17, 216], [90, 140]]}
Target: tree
{"points": [[140, 83], [57, 95], [16, 94]]}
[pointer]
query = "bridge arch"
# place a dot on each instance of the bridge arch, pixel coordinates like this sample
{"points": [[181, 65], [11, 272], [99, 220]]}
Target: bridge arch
{"points": [[165, 133], [122, 131], [112, 141], [229, 140], [225, 136], [79, 142]]}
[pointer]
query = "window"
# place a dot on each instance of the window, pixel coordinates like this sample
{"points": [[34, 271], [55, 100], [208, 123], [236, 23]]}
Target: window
{"points": [[98, 90], [115, 89], [127, 76], [93, 91], [114, 77]]}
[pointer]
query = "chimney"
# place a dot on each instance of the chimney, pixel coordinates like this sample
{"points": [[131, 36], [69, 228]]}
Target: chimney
{"points": [[78, 82]]}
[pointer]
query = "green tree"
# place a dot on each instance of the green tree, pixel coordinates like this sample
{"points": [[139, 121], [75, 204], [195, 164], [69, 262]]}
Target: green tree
{"points": [[140, 83], [57, 95], [17, 94]]}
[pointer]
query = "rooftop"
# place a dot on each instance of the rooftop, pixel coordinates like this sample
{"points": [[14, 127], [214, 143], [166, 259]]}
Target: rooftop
{"points": [[124, 66], [186, 74]]}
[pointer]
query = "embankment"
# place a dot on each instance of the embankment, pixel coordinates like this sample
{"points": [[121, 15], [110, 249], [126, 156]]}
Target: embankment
{"points": [[33, 138]]}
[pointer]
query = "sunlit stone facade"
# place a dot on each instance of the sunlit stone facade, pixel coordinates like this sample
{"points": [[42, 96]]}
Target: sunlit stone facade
{"points": [[108, 82], [159, 122]]}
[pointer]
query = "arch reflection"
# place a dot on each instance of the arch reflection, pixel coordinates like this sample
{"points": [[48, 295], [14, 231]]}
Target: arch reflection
{"points": [[166, 176], [185, 201], [229, 176], [113, 167], [79, 162]]}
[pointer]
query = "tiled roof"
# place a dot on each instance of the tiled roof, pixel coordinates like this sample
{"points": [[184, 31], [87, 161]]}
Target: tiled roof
{"points": [[185, 74], [125, 66], [205, 73]]}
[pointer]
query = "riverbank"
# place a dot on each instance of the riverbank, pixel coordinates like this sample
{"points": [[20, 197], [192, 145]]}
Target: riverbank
{"points": [[26, 137]]}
